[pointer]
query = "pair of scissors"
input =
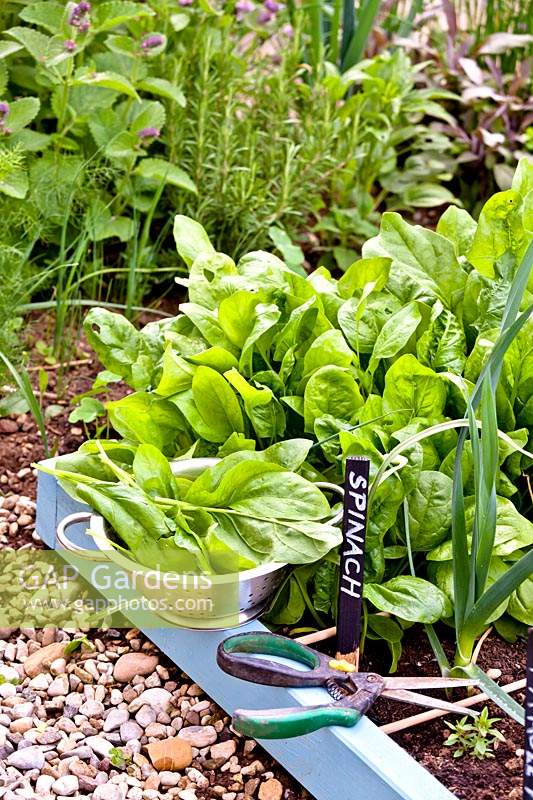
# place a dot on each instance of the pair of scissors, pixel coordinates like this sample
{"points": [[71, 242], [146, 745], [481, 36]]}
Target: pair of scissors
{"points": [[353, 693]]}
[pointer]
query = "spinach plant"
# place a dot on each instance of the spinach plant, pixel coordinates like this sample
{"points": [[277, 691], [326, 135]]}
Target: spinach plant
{"points": [[374, 364]]}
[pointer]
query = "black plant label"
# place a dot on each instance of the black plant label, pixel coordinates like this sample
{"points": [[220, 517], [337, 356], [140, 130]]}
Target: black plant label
{"points": [[528, 756], [352, 554]]}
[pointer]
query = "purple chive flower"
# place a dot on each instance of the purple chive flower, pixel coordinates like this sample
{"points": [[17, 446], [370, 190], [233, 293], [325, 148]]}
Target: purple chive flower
{"points": [[69, 45], [287, 30], [152, 40], [264, 17], [184, 3], [272, 6], [243, 7], [148, 133], [4, 112], [79, 17]]}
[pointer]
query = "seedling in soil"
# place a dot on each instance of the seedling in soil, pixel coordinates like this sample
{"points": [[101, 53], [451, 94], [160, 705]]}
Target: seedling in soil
{"points": [[474, 737]]}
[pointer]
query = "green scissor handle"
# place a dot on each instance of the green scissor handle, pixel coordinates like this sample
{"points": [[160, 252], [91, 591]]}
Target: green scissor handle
{"points": [[288, 722]]}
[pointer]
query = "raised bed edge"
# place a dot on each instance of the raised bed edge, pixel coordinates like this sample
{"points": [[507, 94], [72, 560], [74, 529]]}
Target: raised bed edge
{"points": [[360, 762]]}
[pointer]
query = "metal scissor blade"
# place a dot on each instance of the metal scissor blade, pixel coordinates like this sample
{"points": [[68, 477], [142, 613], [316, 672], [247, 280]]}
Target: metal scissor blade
{"points": [[429, 702], [428, 683]]}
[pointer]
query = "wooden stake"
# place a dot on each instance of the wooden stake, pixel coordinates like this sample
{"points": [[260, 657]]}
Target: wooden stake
{"points": [[427, 716], [316, 636]]}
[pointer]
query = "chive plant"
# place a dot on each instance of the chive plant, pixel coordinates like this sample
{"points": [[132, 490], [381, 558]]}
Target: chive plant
{"points": [[475, 598]]}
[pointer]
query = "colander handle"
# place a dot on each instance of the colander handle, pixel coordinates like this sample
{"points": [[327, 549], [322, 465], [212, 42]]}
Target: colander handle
{"points": [[66, 544], [333, 487]]}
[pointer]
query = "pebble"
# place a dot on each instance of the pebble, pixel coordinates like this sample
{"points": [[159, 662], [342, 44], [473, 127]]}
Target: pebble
{"points": [[157, 698], [145, 716], [67, 785], [27, 758], [271, 790], [187, 794], [170, 754], [167, 778], [199, 735], [42, 658], [196, 777], [107, 791], [223, 749], [115, 718], [93, 708], [99, 745], [40, 683], [130, 730], [131, 664], [44, 784], [8, 673], [59, 687]]}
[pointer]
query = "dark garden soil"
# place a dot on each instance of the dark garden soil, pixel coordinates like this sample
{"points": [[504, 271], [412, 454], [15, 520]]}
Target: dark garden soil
{"points": [[490, 779]]}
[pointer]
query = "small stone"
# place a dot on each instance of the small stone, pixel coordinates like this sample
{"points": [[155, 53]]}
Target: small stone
{"points": [[59, 686], [41, 659], [159, 699], [107, 791], [187, 794], [169, 778], [115, 718], [223, 749], [58, 666], [196, 777], [8, 426], [44, 784], [80, 769], [199, 735], [21, 725], [145, 716], [27, 758], [115, 697], [156, 730], [92, 708], [131, 664], [130, 730], [67, 785], [49, 736], [40, 683], [99, 745], [250, 786], [8, 673], [22, 710], [172, 754], [271, 790]]}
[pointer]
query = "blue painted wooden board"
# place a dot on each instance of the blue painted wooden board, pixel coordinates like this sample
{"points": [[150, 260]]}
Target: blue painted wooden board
{"points": [[344, 763]]}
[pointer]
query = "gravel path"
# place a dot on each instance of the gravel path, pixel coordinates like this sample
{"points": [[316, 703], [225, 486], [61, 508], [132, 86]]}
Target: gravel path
{"points": [[112, 722], [114, 719]]}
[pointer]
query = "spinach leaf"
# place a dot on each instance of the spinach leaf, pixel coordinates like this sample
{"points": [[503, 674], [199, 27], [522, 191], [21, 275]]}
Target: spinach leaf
{"points": [[216, 403], [331, 390], [148, 419], [121, 348], [424, 264], [430, 505], [413, 599], [410, 385]]}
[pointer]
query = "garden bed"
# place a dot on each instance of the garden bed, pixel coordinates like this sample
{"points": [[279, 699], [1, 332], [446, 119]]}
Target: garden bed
{"points": [[467, 778]]}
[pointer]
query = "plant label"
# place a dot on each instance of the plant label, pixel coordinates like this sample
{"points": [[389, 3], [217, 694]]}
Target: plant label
{"points": [[352, 556], [528, 754]]}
